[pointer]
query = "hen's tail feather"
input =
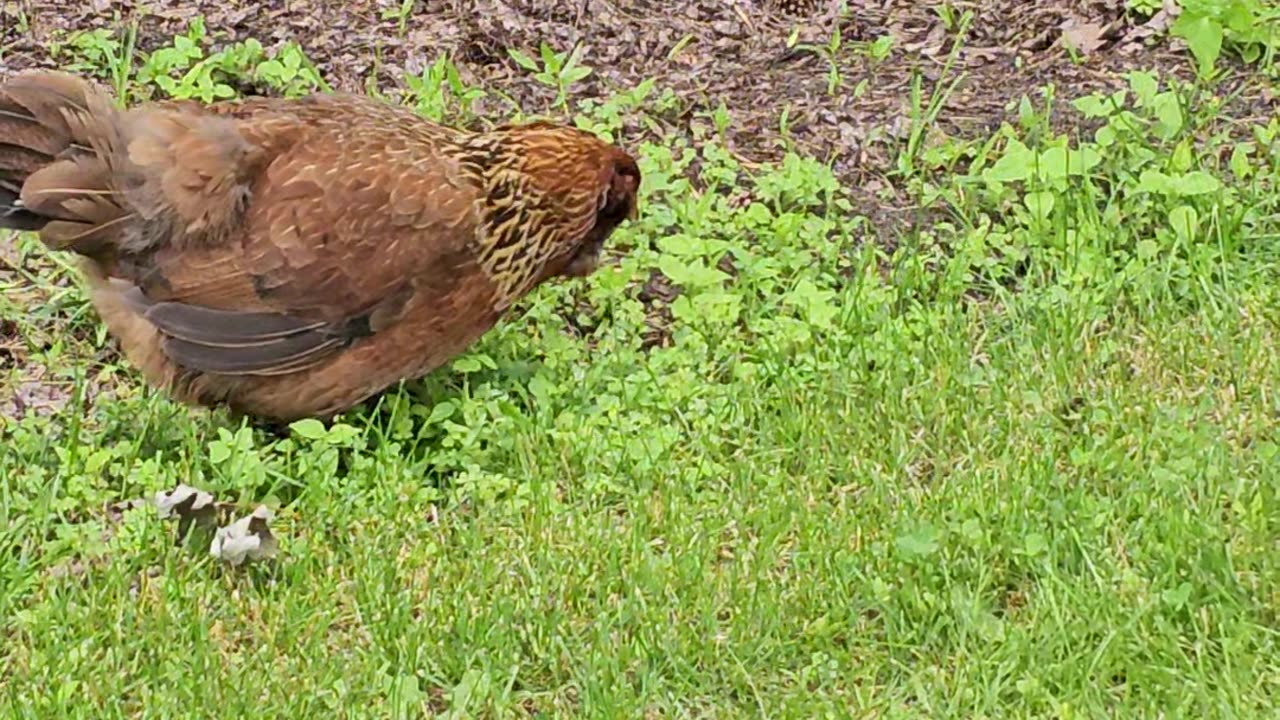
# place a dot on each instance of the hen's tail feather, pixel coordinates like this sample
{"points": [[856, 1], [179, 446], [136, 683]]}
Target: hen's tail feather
{"points": [[59, 137], [79, 170]]}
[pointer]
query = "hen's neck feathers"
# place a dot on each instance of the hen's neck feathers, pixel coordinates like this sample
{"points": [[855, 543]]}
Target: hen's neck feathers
{"points": [[542, 188]]}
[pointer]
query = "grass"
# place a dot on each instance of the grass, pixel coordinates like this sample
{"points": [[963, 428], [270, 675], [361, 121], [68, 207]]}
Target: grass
{"points": [[1022, 466]]}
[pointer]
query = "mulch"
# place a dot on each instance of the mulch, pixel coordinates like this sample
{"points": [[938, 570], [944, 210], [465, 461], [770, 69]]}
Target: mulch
{"points": [[757, 57]]}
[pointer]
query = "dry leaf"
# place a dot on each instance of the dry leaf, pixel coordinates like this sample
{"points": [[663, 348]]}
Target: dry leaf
{"points": [[248, 538], [1158, 24], [190, 505], [1084, 37]]}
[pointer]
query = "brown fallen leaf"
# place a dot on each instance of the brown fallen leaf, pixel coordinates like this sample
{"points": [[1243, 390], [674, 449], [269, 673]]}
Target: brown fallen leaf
{"points": [[248, 538], [191, 506], [1157, 26], [1083, 37]]}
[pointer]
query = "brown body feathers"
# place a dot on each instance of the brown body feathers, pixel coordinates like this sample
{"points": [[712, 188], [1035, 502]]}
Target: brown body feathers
{"points": [[290, 258]]}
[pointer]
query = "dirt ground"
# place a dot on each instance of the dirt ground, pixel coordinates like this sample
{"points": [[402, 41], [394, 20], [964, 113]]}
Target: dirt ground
{"points": [[706, 51]]}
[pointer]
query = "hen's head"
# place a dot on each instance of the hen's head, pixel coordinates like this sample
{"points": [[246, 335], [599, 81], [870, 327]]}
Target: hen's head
{"points": [[615, 201], [573, 190]]}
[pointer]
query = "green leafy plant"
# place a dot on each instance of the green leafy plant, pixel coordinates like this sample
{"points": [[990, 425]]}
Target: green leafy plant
{"points": [[400, 13], [606, 117], [89, 51], [924, 112], [1250, 27], [558, 70], [183, 55], [288, 71], [184, 70], [1145, 154], [1144, 7], [830, 52], [439, 92], [101, 52]]}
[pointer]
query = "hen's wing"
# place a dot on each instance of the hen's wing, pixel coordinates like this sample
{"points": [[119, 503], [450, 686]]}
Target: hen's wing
{"points": [[359, 213]]}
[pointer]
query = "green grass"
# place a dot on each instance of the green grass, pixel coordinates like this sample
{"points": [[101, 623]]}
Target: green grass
{"points": [[1023, 466]]}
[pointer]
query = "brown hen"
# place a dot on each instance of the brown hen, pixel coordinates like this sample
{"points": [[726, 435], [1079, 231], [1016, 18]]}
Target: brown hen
{"points": [[291, 258]]}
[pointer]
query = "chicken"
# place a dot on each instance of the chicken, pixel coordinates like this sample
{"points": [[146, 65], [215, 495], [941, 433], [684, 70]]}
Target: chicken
{"points": [[291, 258]]}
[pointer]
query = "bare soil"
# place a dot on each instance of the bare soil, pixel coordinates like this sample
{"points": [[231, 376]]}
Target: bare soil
{"points": [[748, 54]]}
